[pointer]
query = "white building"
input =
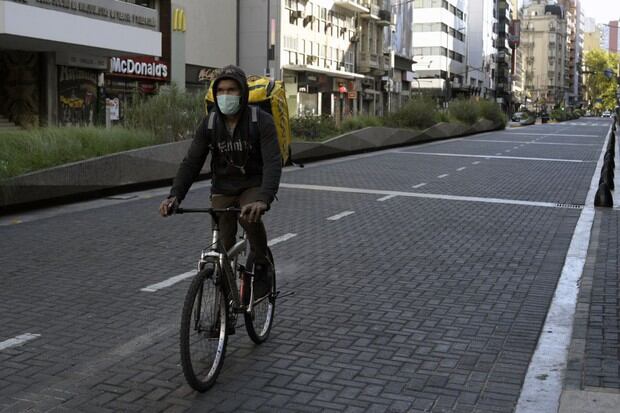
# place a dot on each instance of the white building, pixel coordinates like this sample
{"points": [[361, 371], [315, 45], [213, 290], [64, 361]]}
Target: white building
{"points": [[328, 52], [440, 34], [54, 55], [481, 46]]}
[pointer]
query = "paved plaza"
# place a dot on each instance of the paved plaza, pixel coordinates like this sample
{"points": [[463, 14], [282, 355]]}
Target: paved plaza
{"points": [[416, 279]]}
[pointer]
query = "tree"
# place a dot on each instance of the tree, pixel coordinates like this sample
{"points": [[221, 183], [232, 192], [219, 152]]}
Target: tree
{"points": [[600, 87]]}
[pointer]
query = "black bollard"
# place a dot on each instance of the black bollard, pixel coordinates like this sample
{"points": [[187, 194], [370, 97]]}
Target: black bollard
{"points": [[603, 197], [609, 159]]}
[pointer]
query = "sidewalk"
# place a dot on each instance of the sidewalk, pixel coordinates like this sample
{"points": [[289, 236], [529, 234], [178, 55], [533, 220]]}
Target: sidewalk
{"points": [[592, 382]]}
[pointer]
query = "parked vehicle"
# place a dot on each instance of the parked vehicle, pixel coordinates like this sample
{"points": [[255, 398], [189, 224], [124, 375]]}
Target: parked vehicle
{"points": [[606, 114]]}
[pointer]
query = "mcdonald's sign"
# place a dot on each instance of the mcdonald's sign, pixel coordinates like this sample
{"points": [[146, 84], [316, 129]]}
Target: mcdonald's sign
{"points": [[178, 20]]}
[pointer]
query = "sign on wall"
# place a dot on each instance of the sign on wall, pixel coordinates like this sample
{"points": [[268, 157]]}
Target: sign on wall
{"points": [[143, 67], [114, 11]]}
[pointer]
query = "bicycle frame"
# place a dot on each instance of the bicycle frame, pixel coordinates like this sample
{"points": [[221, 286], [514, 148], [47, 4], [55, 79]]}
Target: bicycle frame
{"points": [[226, 261]]}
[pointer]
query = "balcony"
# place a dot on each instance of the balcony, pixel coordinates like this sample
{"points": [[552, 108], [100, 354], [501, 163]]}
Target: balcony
{"points": [[385, 18], [351, 5], [373, 64], [371, 13]]}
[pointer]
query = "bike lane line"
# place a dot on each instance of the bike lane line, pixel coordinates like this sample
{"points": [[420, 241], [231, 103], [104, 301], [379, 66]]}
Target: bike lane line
{"points": [[17, 341], [542, 387], [178, 278], [341, 215]]}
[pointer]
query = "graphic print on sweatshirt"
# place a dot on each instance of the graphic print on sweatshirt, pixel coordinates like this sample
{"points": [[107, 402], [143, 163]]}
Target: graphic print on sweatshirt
{"points": [[235, 151]]}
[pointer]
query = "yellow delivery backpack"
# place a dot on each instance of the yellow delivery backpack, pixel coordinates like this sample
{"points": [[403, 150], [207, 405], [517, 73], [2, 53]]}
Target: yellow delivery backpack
{"points": [[270, 96]]}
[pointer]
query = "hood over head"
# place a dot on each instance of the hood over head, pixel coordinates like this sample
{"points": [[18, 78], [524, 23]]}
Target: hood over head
{"points": [[238, 75]]}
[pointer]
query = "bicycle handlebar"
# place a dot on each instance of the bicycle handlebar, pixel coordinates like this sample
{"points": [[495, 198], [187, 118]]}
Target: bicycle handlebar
{"points": [[206, 210]]}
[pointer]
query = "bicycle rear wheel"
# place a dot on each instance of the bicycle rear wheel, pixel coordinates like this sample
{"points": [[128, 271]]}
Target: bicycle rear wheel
{"points": [[203, 331], [259, 321]]}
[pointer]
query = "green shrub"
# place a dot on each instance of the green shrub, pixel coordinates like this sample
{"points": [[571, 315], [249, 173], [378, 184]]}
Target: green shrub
{"points": [[491, 111], [442, 116], [171, 115], [313, 128], [558, 115], [27, 151], [466, 111], [418, 113], [360, 122]]}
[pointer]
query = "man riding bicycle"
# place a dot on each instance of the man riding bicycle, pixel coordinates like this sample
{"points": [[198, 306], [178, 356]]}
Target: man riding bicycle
{"points": [[246, 166]]}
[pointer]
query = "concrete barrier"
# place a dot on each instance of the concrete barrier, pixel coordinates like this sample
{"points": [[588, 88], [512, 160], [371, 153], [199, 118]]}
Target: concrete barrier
{"points": [[157, 165]]}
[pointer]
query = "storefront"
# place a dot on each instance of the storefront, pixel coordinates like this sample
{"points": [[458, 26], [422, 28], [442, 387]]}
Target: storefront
{"points": [[79, 78], [131, 76]]}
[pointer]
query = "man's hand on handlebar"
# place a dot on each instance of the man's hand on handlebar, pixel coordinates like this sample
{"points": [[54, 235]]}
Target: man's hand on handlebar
{"points": [[168, 205], [252, 211]]}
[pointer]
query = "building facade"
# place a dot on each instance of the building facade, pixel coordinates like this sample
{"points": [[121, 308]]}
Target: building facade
{"points": [[440, 48], [204, 39], [573, 15], [481, 47], [329, 53], [54, 56], [543, 43], [503, 58]]}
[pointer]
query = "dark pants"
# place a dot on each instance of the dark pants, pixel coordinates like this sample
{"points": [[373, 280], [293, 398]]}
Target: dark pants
{"points": [[228, 224]]}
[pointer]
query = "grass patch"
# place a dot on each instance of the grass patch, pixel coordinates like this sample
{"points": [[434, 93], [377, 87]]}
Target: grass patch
{"points": [[26, 151]]}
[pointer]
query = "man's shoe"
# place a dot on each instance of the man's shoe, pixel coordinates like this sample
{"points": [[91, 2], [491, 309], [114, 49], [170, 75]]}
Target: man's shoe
{"points": [[262, 281]]}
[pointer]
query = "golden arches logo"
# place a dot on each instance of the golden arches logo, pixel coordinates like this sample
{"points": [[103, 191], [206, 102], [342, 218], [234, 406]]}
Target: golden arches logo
{"points": [[179, 23]]}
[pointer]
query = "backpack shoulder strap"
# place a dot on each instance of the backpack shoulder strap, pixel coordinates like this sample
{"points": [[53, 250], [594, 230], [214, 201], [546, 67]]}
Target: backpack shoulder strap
{"points": [[254, 132], [211, 122]]}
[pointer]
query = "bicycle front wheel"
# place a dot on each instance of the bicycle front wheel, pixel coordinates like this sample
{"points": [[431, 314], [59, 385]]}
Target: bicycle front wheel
{"points": [[203, 331], [258, 322]]}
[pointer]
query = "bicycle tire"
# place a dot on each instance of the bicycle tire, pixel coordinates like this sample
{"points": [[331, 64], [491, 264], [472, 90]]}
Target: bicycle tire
{"points": [[203, 340], [258, 323]]}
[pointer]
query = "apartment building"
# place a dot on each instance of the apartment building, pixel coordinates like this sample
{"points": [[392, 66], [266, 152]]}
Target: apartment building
{"points": [[503, 58], [573, 15], [543, 43], [440, 48], [481, 47], [54, 56], [517, 63], [402, 82], [329, 53]]}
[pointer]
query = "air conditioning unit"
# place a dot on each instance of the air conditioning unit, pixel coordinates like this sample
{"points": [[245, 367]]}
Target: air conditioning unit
{"points": [[355, 38], [343, 30], [296, 14]]}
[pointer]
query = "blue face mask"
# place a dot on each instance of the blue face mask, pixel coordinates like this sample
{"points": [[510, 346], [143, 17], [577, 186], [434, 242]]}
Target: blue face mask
{"points": [[229, 104]]}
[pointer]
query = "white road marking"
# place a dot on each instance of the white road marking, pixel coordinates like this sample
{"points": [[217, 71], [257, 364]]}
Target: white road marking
{"points": [[462, 168], [498, 153], [418, 195], [385, 198], [340, 215], [500, 157], [549, 134], [419, 185], [475, 162], [178, 278], [532, 142], [442, 176], [281, 238], [169, 282], [19, 340], [542, 388]]}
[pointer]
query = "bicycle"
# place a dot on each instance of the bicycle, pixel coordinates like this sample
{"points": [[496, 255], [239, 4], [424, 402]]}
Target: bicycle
{"points": [[213, 302]]}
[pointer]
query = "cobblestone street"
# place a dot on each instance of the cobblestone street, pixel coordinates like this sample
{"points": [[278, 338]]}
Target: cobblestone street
{"points": [[426, 291]]}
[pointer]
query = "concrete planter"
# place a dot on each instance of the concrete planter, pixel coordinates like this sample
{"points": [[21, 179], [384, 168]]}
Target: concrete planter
{"points": [[158, 164]]}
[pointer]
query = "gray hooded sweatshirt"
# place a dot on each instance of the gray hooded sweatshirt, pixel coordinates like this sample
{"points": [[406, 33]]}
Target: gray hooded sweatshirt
{"points": [[238, 162]]}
